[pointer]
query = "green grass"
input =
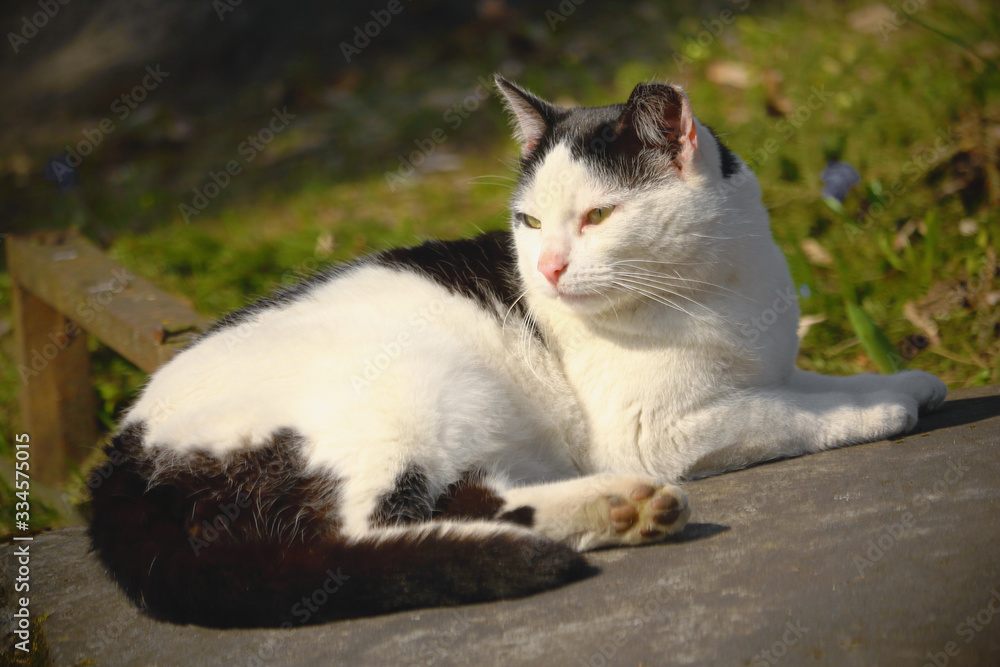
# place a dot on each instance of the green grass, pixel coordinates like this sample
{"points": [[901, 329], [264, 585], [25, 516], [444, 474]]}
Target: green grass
{"points": [[888, 101]]}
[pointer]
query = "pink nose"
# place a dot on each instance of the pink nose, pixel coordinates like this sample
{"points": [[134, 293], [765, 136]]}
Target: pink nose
{"points": [[552, 267]]}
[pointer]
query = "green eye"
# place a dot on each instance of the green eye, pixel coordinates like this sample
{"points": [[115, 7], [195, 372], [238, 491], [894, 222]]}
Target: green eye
{"points": [[531, 221], [599, 215]]}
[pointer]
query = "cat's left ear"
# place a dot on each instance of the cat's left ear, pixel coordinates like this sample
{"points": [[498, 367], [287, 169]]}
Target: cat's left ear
{"points": [[533, 116], [660, 116]]}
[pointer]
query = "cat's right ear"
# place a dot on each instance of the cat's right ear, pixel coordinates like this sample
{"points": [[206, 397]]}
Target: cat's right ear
{"points": [[532, 115]]}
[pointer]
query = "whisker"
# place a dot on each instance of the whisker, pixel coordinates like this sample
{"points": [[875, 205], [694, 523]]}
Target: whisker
{"points": [[661, 281], [681, 278], [726, 238], [656, 261], [663, 301], [656, 289]]}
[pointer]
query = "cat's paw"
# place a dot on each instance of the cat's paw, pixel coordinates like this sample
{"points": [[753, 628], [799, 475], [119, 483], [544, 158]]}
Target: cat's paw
{"points": [[926, 389], [889, 414], [637, 512]]}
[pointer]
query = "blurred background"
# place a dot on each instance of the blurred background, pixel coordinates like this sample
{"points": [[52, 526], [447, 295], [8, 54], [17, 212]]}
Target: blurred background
{"points": [[223, 148]]}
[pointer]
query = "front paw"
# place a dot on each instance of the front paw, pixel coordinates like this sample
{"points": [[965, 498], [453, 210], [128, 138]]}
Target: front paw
{"points": [[630, 510], [927, 390], [889, 414]]}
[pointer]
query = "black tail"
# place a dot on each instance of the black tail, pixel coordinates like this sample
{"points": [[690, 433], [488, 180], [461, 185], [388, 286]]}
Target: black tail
{"points": [[250, 542]]}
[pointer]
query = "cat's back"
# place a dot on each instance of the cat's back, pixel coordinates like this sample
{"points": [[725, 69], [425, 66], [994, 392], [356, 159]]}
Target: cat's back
{"points": [[342, 346]]}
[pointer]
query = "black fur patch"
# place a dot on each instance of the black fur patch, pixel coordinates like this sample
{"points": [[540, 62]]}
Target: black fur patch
{"points": [[522, 516], [601, 136], [179, 530], [469, 498], [482, 268], [408, 502], [596, 135], [250, 539], [472, 498], [728, 160]]}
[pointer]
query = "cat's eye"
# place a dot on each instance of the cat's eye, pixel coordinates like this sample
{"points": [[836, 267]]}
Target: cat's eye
{"points": [[598, 215], [530, 220]]}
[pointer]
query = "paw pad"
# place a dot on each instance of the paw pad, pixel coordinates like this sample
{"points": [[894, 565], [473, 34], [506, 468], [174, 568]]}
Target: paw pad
{"points": [[646, 513]]}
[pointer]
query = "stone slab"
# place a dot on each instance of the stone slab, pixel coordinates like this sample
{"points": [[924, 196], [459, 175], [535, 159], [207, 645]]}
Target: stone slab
{"points": [[880, 554]]}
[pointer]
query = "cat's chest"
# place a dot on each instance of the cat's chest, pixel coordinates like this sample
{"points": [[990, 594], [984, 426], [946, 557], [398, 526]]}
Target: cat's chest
{"points": [[633, 393]]}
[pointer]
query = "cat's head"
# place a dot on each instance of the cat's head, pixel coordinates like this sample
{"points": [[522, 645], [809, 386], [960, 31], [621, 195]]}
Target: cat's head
{"points": [[621, 203]]}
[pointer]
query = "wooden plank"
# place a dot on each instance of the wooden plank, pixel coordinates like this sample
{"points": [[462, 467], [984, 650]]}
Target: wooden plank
{"points": [[58, 404], [144, 324]]}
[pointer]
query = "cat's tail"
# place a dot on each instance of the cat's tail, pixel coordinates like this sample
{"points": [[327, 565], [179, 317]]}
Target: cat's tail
{"points": [[234, 570]]}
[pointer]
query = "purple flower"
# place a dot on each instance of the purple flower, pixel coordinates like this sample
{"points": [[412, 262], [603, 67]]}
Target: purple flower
{"points": [[838, 179]]}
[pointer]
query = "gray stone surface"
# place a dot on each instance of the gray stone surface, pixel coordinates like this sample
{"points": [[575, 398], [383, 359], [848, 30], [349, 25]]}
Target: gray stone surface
{"points": [[881, 554]]}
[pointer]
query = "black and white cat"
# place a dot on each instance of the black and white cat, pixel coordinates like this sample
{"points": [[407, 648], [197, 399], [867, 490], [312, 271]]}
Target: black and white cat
{"points": [[455, 422]]}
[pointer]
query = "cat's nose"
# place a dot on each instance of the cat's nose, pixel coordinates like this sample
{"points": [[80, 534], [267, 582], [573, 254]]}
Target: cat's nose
{"points": [[552, 266]]}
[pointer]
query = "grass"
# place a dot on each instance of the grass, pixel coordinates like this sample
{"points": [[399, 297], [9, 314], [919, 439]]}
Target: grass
{"points": [[903, 273]]}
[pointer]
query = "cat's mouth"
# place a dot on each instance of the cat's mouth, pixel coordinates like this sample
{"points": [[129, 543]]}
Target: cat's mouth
{"points": [[579, 300]]}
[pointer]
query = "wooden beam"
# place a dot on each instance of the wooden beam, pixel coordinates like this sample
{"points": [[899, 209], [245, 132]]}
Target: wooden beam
{"points": [[64, 287], [144, 324], [58, 405]]}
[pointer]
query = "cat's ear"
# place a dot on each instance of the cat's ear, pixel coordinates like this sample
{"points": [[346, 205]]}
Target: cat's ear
{"points": [[659, 115], [532, 115]]}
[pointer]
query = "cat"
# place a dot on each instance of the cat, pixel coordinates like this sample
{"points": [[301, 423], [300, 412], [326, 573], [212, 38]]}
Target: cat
{"points": [[457, 421]]}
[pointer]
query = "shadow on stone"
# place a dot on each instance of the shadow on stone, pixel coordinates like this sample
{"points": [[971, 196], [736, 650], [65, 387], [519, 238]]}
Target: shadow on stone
{"points": [[959, 412], [697, 531]]}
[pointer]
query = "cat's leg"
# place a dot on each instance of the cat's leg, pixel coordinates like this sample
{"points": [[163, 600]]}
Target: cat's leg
{"points": [[600, 510], [925, 388], [811, 414], [586, 512]]}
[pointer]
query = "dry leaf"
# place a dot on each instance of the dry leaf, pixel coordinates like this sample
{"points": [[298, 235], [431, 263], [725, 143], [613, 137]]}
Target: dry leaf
{"points": [[922, 321], [806, 321], [869, 20], [728, 73], [816, 253], [778, 103]]}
